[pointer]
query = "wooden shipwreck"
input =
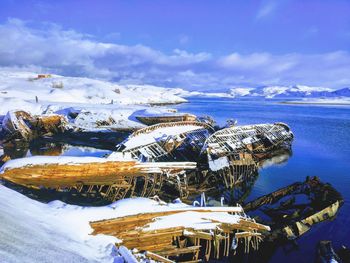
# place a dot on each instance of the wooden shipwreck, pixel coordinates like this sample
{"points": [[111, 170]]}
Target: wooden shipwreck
{"points": [[234, 153], [190, 234], [176, 117], [109, 177], [23, 126], [293, 210], [168, 141]]}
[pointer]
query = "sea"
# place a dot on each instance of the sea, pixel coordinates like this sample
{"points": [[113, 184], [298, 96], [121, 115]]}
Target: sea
{"points": [[321, 148]]}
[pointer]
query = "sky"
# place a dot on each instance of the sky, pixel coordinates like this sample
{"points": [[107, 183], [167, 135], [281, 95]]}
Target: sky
{"points": [[192, 44]]}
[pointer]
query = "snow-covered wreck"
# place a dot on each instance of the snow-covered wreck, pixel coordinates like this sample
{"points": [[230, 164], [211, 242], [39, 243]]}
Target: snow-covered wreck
{"points": [[24, 126], [113, 178], [185, 234], [233, 153], [168, 141]]}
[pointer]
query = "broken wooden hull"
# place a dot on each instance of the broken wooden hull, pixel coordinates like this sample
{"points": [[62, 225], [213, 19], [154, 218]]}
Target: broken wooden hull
{"points": [[234, 153], [168, 141], [53, 172], [254, 139], [293, 210], [212, 239], [151, 120], [22, 125]]}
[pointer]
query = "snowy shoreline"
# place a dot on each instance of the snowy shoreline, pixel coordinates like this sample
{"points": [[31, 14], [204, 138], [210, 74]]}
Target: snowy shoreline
{"points": [[322, 101]]}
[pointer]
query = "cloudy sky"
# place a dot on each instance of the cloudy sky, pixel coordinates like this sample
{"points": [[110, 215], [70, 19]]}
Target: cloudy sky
{"points": [[193, 44]]}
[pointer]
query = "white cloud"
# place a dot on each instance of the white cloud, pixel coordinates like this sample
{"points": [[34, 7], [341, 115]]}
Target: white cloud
{"points": [[52, 49]]}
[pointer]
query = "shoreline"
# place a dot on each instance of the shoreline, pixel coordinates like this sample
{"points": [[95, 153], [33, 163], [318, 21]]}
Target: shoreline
{"points": [[314, 103]]}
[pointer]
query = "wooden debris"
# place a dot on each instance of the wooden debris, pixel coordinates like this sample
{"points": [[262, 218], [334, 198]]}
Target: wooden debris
{"points": [[255, 139], [289, 218], [180, 242], [234, 153], [168, 141], [21, 125], [158, 258], [151, 120], [110, 178]]}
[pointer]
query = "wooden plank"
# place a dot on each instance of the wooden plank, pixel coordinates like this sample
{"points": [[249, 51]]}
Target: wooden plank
{"points": [[179, 251], [156, 257]]}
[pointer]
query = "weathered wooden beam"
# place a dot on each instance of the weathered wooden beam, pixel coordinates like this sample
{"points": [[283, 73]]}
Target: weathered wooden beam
{"points": [[157, 257], [179, 251]]}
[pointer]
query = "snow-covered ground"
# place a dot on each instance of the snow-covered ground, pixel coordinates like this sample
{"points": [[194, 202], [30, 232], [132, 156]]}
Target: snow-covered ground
{"points": [[34, 232], [58, 89], [93, 100], [31, 231]]}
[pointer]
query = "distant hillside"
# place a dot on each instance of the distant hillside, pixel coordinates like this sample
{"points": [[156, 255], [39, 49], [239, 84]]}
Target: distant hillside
{"points": [[297, 91]]}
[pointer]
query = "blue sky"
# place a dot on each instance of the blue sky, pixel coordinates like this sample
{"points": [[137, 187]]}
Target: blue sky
{"points": [[185, 43]]}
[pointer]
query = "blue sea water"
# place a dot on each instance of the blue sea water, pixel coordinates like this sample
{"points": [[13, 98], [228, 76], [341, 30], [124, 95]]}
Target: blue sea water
{"points": [[321, 148]]}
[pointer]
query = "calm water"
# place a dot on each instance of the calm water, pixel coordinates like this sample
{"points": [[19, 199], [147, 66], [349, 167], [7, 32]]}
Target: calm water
{"points": [[321, 147]]}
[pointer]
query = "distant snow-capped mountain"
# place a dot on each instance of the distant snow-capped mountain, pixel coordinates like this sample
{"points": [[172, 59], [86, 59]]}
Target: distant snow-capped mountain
{"points": [[296, 91]]}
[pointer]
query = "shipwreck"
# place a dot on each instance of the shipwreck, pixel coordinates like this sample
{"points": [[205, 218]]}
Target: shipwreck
{"points": [[234, 153], [168, 141], [23, 126], [292, 210], [113, 178], [151, 119], [188, 234]]}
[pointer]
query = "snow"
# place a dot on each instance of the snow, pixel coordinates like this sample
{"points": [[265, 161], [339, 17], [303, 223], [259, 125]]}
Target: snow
{"points": [[240, 92], [156, 135], [157, 111], [187, 94], [195, 220], [218, 164], [31, 231], [95, 101], [23, 85], [34, 232]]}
